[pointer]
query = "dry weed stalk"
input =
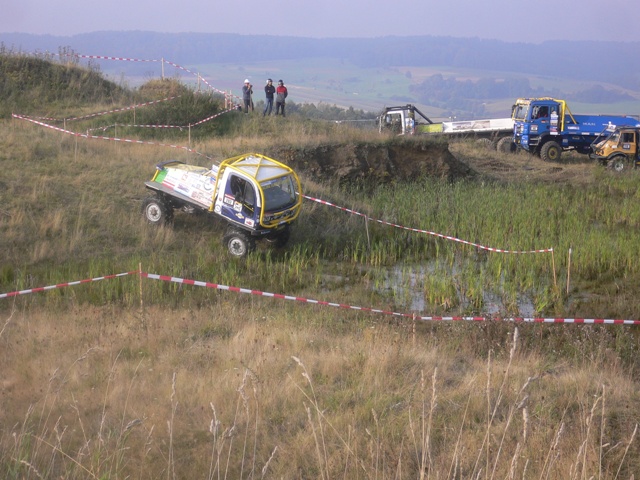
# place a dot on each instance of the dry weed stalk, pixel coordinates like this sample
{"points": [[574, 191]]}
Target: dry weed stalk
{"points": [[455, 459], [626, 450], [581, 457], [321, 418], [553, 453], [491, 414], [170, 424], [4, 327]]}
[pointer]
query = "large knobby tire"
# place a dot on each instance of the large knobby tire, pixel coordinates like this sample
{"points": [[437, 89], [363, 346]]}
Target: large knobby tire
{"points": [[550, 152], [506, 145], [486, 143], [239, 243], [155, 211], [619, 163]]}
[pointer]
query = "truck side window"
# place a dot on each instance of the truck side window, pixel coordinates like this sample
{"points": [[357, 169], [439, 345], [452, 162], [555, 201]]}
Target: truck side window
{"points": [[243, 193], [627, 137]]}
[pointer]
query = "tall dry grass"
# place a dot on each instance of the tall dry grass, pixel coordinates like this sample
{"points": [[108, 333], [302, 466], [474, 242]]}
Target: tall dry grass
{"points": [[261, 390]]}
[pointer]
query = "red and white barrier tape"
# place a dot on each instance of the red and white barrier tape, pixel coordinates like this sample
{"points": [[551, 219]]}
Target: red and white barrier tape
{"points": [[181, 127], [323, 202], [117, 110], [113, 139], [197, 283], [66, 284], [260, 293], [124, 59], [446, 237]]}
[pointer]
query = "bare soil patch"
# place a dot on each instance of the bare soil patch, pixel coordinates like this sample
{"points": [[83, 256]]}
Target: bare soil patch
{"points": [[375, 162]]}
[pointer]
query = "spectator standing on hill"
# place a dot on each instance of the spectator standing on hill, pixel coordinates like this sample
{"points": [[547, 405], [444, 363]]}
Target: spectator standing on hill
{"points": [[247, 92], [269, 90], [281, 94]]}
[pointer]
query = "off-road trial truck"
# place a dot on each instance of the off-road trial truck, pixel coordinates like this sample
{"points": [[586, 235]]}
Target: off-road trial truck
{"points": [[546, 127], [409, 120], [257, 196], [620, 150]]}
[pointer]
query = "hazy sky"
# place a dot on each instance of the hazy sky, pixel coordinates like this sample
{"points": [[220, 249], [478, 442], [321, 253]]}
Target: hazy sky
{"points": [[509, 20]]}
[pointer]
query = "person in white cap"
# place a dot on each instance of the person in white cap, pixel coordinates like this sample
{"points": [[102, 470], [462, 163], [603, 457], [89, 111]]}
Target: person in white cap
{"points": [[247, 92]]}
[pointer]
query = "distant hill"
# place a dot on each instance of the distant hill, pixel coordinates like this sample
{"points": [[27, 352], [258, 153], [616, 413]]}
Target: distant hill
{"points": [[483, 75], [611, 62]]}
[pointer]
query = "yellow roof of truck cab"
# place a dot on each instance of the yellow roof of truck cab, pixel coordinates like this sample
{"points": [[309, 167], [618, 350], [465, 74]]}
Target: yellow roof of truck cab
{"points": [[258, 166]]}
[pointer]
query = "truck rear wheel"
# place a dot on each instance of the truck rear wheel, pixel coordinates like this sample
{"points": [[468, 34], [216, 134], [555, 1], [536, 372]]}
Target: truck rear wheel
{"points": [[155, 211], [485, 142], [619, 163], [506, 145], [550, 152], [239, 243]]}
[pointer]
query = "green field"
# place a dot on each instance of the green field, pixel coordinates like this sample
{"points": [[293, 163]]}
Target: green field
{"points": [[343, 84]]}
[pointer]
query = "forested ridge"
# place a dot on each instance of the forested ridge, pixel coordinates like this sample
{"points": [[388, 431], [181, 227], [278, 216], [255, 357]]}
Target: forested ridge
{"points": [[564, 59]]}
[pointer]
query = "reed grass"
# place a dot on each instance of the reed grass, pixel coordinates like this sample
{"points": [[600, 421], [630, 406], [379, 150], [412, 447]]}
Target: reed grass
{"points": [[76, 202]]}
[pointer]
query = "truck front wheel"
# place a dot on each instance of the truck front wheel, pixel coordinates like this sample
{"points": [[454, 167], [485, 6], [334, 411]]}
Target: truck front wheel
{"points": [[550, 152], [155, 211], [281, 238], [239, 243], [619, 163]]}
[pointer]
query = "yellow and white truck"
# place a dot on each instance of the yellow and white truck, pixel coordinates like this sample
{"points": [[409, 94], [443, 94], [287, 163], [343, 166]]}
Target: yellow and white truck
{"points": [[257, 196]]}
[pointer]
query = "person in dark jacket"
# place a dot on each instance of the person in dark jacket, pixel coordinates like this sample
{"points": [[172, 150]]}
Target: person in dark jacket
{"points": [[247, 92], [281, 94], [269, 90]]}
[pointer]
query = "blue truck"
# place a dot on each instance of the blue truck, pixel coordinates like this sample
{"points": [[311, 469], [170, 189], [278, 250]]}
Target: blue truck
{"points": [[546, 127]]}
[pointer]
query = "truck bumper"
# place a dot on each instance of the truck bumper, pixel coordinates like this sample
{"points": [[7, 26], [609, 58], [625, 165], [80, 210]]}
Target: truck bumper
{"points": [[598, 158]]}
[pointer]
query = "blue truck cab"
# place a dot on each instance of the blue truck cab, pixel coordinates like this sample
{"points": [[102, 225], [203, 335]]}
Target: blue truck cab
{"points": [[546, 127]]}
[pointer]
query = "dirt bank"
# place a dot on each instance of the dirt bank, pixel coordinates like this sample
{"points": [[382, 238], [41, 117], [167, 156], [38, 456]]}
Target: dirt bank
{"points": [[411, 159], [376, 162]]}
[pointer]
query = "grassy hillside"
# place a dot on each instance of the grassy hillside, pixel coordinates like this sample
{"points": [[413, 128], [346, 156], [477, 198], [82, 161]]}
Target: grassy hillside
{"points": [[140, 378]]}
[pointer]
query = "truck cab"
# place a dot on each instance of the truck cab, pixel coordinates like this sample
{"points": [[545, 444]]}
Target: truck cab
{"points": [[538, 121], [620, 150], [546, 127], [256, 193], [406, 120]]}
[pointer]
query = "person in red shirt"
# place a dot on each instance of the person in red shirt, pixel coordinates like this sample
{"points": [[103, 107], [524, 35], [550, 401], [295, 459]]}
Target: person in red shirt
{"points": [[281, 94]]}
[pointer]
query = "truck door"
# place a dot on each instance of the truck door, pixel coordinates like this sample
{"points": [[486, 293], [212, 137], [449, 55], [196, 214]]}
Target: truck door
{"points": [[395, 122], [628, 142], [239, 200]]}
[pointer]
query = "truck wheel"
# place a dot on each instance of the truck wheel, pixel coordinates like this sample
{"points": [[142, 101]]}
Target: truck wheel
{"points": [[619, 163], [485, 142], [506, 145], [550, 152], [281, 238], [155, 211], [238, 243]]}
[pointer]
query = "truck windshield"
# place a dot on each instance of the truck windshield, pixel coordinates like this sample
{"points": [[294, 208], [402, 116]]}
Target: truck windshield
{"points": [[279, 193], [520, 112], [614, 138]]}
